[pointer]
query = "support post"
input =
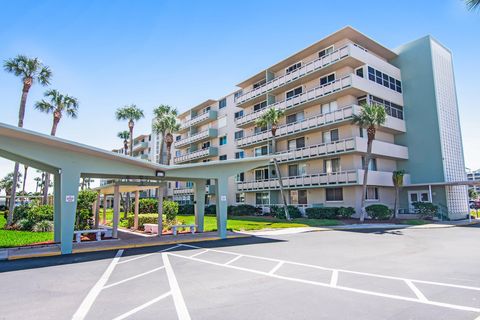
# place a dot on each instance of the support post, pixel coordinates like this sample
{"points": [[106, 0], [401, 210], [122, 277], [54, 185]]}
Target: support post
{"points": [[69, 179], [57, 210], [97, 211], [200, 186], [222, 192], [137, 207], [116, 210], [104, 208], [160, 210]]}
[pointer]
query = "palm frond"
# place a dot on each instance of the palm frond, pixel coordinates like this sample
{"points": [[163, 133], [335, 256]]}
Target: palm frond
{"points": [[472, 4]]}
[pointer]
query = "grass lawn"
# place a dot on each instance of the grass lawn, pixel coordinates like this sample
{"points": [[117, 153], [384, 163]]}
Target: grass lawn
{"points": [[11, 238], [416, 222], [251, 223]]}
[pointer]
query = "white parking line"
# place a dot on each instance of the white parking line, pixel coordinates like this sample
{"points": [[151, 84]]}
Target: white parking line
{"points": [[274, 269], [143, 306], [134, 277], [148, 254], [234, 259], [180, 306], [199, 253], [93, 293], [334, 279], [415, 290]]}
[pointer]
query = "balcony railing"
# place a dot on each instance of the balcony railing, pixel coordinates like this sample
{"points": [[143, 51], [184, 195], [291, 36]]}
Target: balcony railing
{"points": [[140, 145], [206, 134], [310, 180], [306, 69], [203, 153], [308, 96], [198, 119], [317, 150], [301, 126], [186, 191]]}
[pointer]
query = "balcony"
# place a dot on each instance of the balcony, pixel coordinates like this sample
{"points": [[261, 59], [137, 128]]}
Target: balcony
{"points": [[187, 191], [349, 84], [142, 156], [197, 137], [199, 119], [140, 146], [196, 155], [305, 73], [348, 177], [305, 125]]}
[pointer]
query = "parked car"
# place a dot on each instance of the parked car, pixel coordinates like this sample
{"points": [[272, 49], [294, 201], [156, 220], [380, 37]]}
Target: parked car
{"points": [[475, 204]]}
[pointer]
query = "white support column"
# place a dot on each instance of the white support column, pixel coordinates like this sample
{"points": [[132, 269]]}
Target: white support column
{"points": [[430, 193], [200, 186], [104, 208], [160, 210], [57, 204], [69, 179], [222, 192], [116, 210], [96, 211], [137, 207]]}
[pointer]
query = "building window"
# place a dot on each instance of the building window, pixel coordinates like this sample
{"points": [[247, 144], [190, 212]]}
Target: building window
{"points": [[325, 51], [298, 197], [327, 79], [261, 151], [293, 67], [257, 130], [178, 138], [296, 143], [359, 72], [238, 134], [222, 122], [295, 92], [260, 106], [178, 153], [222, 103], [239, 155], [372, 166], [240, 177], [261, 174], [206, 145], [391, 108], [329, 107], [259, 83], [296, 170], [292, 118], [331, 165], [189, 184], [240, 197], [222, 157], [371, 193], [238, 114], [262, 198], [330, 136], [238, 94], [222, 140], [334, 194], [384, 79]]}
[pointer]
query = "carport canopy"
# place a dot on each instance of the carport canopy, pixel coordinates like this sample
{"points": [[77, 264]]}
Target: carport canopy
{"points": [[68, 161]]}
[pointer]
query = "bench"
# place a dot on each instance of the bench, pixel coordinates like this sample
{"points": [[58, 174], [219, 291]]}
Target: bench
{"points": [[191, 226], [150, 227], [98, 234]]}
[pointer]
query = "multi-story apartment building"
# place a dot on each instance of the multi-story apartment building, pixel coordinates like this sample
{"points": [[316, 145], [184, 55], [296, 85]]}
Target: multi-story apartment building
{"points": [[474, 176], [321, 153]]}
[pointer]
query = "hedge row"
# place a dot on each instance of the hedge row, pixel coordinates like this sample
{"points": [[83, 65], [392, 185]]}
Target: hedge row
{"points": [[329, 212]]}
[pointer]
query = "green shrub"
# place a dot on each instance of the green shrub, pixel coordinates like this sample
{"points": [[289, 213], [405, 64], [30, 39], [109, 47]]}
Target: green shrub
{"points": [[142, 219], [147, 205], [242, 210], [20, 212], [211, 210], [186, 210], [279, 212], [84, 213], [24, 225], [379, 212], [39, 213], [170, 209], [322, 212], [43, 226], [346, 212], [426, 210]]}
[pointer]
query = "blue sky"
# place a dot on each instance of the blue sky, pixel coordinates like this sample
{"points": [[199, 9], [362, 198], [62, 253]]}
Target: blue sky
{"points": [[112, 53]]}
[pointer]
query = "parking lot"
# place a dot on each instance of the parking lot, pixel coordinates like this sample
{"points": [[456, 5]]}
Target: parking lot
{"points": [[376, 274]]}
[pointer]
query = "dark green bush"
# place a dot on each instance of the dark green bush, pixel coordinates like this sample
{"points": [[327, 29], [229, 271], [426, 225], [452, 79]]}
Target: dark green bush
{"points": [[40, 213], [43, 226], [346, 212], [24, 225], [242, 210], [322, 212], [170, 210], [379, 212], [186, 210], [20, 212], [147, 205], [279, 212], [426, 210], [142, 219], [84, 213], [211, 210]]}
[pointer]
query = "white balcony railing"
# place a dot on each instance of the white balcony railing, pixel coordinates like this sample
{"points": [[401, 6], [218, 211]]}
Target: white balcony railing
{"points": [[209, 133], [306, 69], [207, 152], [308, 96], [301, 126], [199, 118], [317, 150], [185, 191], [310, 180]]}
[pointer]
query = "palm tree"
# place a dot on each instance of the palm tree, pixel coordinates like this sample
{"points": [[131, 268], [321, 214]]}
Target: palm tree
{"points": [[57, 105], [38, 181], [166, 126], [371, 116], [271, 118], [124, 135], [472, 4], [161, 125], [8, 186], [30, 70], [25, 170], [131, 113], [397, 179]]}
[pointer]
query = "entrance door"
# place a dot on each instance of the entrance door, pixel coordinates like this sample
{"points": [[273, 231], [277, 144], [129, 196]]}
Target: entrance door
{"points": [[417, 196]]}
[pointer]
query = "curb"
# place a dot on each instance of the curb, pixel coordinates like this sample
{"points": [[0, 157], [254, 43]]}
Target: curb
{"points": [[117, 247]]}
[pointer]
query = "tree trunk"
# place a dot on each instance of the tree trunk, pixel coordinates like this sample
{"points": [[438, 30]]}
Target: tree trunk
{"points": [[46, 184], [27, 83], [24, 178], [131, 141], [279, 176], [169, 154], [395, 207], [363, 212], [162, 144]]}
